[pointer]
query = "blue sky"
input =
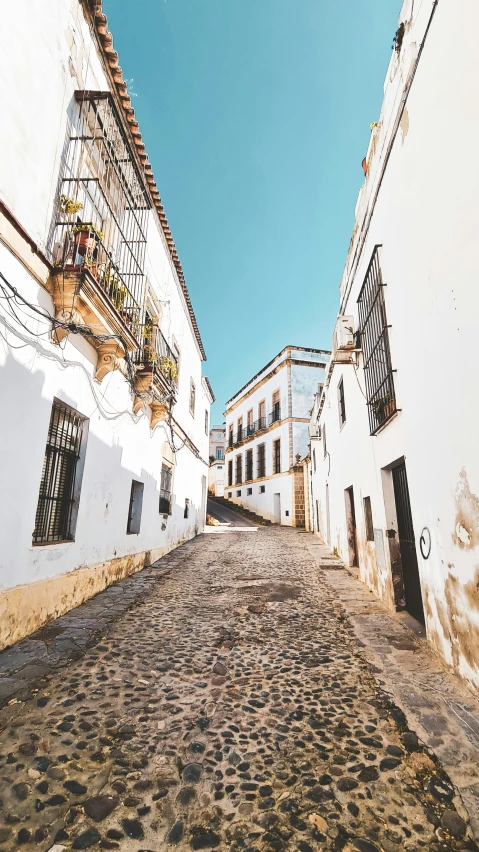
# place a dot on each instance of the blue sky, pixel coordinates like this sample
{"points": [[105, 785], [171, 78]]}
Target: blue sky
{"points": [[255, 115]]}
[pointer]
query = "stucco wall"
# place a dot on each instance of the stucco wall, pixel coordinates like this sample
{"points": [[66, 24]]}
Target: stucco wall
{"points": [[120, 447], [426, 218]]}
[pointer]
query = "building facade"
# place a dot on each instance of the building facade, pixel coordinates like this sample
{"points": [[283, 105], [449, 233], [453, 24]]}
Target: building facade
{"points": [[267, 424], [395, 478], [216, 478], [217, 443], [104, 434]]}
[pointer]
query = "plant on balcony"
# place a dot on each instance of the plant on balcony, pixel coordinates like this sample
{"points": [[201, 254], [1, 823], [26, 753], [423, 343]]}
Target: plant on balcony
{"points": [[383, 407], [168, 367], [399, 37], [86, 238], [69, 207]]}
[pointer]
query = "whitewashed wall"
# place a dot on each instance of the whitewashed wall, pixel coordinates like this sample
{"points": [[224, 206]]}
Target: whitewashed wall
{"points": [[44, 58], [426, 218]]}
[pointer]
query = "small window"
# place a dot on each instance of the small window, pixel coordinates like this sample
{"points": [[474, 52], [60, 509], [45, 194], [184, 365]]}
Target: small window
{"points": [[219, 467], [368, 519], [206, 421], [341, 406], [192, 397], [262, 489], [136, 505], [229, 494], [61, 476], [238, 493], [277, 456], [324, 442], [165, 490], [186, 513], [230, 473], [249, 492], [287, 513]]}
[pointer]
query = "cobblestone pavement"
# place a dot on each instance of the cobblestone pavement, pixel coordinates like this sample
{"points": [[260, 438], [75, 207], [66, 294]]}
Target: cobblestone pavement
{"points": [[228, 709]]}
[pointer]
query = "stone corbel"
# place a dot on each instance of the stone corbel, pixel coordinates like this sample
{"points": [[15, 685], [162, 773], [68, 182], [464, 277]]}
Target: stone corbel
{"points": [[159, 412], [65, 292], [110, 357], [70, 316]]}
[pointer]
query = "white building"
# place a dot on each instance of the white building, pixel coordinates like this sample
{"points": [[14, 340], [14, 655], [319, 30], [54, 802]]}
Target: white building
{"points": [[217, 442], [104, 431], [395, 466], [267, 424], [216, 473]]}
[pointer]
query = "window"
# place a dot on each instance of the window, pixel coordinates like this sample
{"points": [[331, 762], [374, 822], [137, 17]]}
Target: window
{"points": [[262, 489], [219, 467], [373, 329], [368, 519], [135, 507], [192, 397], [206, 421], [249, 492], [239, 469], [261, 460], [277, 456], [219, 453], [219, 436], [230, 473], [230, 435], [165, 490], [324, 442], [239, 434], [276, 412], [249, 422], [186, 513], [341, 406], [230, 494], [262, 415], [249, 465], [238, 493], [61, 476]]}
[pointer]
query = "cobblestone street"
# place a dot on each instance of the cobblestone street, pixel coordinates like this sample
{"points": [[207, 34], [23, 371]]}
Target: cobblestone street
{"points": [[228, 708]]}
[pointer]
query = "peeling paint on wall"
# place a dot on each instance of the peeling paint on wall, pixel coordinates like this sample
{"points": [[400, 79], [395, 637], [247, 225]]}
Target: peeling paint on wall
{"points": [[466, 532]]}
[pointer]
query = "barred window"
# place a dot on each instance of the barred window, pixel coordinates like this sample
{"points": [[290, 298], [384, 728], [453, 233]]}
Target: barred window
{"points": [[230, 473], [261, 460], [239, 469], [341, 405], [373, 328], [249, 465], [277, 456], [165, 490], [53, 520]]}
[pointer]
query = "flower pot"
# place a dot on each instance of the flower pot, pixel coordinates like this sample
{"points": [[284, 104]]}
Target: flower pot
{"points": [[86, 242]]}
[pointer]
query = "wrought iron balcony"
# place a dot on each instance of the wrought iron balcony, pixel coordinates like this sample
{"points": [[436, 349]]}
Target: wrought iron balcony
{"points": [[275, 414], [259, 424], [155, 356]]}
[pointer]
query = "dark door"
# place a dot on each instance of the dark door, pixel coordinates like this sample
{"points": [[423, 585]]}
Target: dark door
{"points": [[351, 526], [407, 544]]}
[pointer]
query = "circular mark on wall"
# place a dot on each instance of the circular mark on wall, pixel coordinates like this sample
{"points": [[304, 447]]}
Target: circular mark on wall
{"points": [[425, 543]]}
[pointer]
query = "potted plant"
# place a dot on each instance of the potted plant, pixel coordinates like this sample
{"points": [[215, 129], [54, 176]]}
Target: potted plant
{"points": [[383, 408], [69, 207], [168, 367], [87, 236]]}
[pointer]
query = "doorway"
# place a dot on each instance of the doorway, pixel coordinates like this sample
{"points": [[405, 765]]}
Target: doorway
{"points": [[351, 526], [277, 508], [407, 544]]}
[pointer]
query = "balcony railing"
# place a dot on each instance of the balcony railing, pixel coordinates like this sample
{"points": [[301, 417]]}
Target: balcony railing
{"points": [[230, 439], [259, 424], [275, 415], [156, 355]]}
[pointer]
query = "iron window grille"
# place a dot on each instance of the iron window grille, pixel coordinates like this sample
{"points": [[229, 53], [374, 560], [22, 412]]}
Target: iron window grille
{"points": [[102, 209], [249, 465], [230, 437], [230, 473], [261, 460], [239, 470], [368, 519], [56, 497], [239, 434], [277, 456], [259, 424], [192, 397], [155, 353], [341, 405], [373, 330], [165, 490]]}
